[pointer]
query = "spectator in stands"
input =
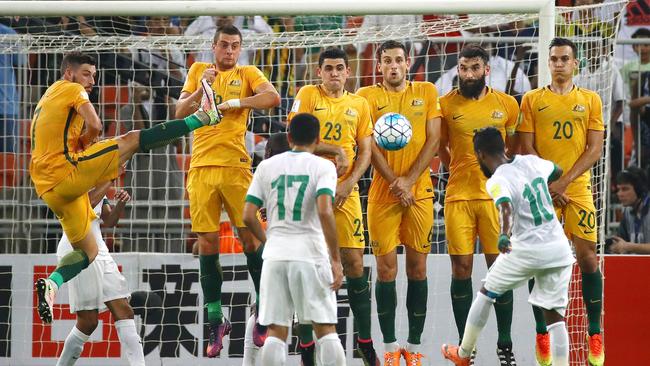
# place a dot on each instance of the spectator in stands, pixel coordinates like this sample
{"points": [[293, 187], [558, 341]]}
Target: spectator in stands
{"points": [[168, 60], [634, 229], [9, 95], [155, 176], [307, 58], [637, 76], [207, 26], [596, 75], [504, 75]]}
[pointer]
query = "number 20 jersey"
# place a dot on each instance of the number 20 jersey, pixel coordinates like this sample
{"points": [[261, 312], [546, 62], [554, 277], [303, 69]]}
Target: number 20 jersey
{"points": [[560, 124], [538, 238], [287, 185]]}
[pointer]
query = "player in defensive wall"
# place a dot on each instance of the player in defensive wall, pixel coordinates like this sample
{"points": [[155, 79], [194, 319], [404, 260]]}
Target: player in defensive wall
{"points": [[100, 286], [531, 241], [219, 172], [345, 127], [564, 123], [469, 211], [400, 201], [67, 161]]}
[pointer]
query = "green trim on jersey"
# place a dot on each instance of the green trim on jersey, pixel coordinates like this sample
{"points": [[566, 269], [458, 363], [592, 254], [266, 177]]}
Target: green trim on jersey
{"points": [[502, 200], [325, 191], [254, 200]]}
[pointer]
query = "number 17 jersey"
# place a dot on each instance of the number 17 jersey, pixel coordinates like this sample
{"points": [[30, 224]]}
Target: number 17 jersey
{"points": [[287, 185]]}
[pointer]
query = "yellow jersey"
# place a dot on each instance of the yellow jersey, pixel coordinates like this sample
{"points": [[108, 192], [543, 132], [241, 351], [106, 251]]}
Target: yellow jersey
{"points": [[343, 120], [560, 124], [461, 117], [223, 144], [418, 102], [55, 130]]}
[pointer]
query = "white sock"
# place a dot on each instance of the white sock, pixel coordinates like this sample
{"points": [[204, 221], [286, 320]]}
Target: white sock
{"points": [[131, 342], [274, 352], [478, 316], [413, 348], [391, 347], [250, 349], [559, 343], [74, 344], [331, 351]]}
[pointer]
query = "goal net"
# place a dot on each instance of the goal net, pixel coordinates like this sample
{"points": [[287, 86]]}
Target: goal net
{"points": [[142, 64]]}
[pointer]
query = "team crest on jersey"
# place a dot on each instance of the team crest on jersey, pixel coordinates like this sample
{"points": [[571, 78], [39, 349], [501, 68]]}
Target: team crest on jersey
{"points": [[497, 115], [350, 112], [235, 83], [578, 108], [417, 103]]}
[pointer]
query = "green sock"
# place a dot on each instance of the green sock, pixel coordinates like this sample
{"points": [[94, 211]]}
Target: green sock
{"points": [[538, 313], [416, 306], [166, 133], [254, 262], [503, 310], [461, 301], [386, 297], [211, 278], [592, 295], [359, 296], [305, 334], [69, 266]]}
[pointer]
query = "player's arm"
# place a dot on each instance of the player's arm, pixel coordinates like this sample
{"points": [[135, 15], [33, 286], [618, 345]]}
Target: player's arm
{"points": [[251, 221], [526, 128], [111, 216], [505, 220], [189, 102], [96, 195], [93, 125], [586, 160], [265, 96], [380, 164], [344, 188], [555, 174], [402, 185], [527, 143], [328, 224], [337, 152], [443, 146]]}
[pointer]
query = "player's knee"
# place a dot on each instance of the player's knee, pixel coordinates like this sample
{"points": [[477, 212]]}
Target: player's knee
{"points": [[386, 273], [87, 325], [416, 272], [352, 263], [247, 240], [588, 263], [208, 243], [461, 269]]}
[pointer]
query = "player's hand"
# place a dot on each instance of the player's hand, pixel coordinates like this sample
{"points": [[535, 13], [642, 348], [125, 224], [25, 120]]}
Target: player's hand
{"points": [[337, 275], [401, 186], [558, 188], [122, 196], [504, 244], [343, 191], [342, 163], [619, 246], [561, 200], [210, 74], [407, 200]]}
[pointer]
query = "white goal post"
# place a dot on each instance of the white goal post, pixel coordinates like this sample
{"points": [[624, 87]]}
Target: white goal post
{"points": [[545, 9]]}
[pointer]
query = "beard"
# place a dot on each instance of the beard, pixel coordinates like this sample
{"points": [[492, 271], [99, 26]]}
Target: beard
{"points": [[471, 89], [486, 171]]}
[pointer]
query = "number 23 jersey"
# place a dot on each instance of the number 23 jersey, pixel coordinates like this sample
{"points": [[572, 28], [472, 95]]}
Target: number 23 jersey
{"points": [[560, 124]]}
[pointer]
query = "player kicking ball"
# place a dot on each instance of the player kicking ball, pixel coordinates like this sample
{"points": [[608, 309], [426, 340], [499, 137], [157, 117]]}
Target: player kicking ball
{"points": [[531, 241], [302, 265], [100, 286]]}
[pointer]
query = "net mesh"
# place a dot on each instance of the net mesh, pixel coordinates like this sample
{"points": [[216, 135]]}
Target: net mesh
{"points": [[142, 64]]}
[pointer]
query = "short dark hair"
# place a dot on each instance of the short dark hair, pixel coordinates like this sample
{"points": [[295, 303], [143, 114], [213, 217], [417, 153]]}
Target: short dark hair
{"points": [[474, 50], [229, 30], [560, 42], [276, 144], [304, 129], [635, 177], [75, 59], [332, 53], [390, 45], [489, 141], [641, 33]]}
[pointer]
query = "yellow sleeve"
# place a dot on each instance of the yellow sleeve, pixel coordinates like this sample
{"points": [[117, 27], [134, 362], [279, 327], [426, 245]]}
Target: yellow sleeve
{"points": [[432, 95], [192, 81], [596, 114], [79, 96], [364, 128], [255, 77], [526, 117], [302, 103], [512, 109]]}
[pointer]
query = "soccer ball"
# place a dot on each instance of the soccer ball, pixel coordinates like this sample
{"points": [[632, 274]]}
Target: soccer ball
{"points": [[392, 131]]}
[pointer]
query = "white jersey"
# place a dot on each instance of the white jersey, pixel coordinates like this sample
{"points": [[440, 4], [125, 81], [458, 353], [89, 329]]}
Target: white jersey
{"points": [[538, 239], [65, 247], [287, 185]]}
